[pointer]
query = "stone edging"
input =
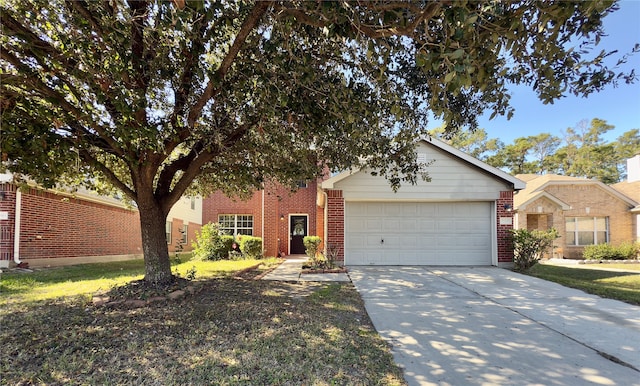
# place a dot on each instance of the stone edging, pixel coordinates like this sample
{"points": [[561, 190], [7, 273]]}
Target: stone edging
{"points": [[105, 301]]}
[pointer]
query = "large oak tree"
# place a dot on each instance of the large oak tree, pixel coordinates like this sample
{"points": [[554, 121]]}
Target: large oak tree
{"points": [[155, 97]]}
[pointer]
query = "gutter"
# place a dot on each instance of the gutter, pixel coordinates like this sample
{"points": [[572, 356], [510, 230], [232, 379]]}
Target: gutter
{"points": [[16, 231]]}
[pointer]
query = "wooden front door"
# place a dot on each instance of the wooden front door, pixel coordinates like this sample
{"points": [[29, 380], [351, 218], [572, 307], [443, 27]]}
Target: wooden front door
{"points": [[297, 231]]}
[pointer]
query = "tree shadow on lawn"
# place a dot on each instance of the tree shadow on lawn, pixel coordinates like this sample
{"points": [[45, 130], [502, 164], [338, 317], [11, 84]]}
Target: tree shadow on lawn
{"points": [[229, 332]]}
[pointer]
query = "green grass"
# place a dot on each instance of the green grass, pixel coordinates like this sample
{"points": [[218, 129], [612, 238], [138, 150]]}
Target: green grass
{"points": [[626, 267], [230, 332], [594, 279], [88, 279]]}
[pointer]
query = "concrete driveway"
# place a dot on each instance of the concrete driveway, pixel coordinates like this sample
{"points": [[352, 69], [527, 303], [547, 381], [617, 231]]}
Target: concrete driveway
{"points": [[490, 326]]}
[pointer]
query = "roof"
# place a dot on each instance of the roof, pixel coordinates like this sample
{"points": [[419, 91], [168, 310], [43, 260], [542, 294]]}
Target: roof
{"points": [[495, 172], [629, 189], [536, 185]]}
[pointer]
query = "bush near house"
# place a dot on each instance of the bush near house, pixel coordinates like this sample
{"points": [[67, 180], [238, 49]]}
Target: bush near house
{"points": [[311, 245], [625, 251], [211, 243], [528, 246], [251, 247]]}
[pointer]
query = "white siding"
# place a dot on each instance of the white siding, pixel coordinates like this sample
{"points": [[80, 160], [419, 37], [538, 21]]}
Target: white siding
{"points": [[452, 179], [182, 210]]}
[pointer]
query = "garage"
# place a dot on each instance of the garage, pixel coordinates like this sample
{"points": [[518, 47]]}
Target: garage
{"points": [[418, 233], [461, 215]]}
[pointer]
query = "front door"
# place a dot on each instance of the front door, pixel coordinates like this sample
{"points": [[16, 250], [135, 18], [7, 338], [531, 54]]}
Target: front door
{"points": [[297, 232]]}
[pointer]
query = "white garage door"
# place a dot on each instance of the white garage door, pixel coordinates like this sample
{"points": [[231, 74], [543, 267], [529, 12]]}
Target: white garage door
{"points": [[409, 233]]}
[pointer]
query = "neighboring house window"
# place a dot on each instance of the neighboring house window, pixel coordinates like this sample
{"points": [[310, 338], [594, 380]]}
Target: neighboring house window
{"points": [[587, 230], [185, 232], [167, 230], [193, 203], [236, 224], [302, 184]]}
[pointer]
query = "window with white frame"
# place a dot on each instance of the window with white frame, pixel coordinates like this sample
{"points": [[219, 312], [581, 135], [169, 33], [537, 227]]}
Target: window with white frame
{"points": [[236, 224], [185, 233], [586, 230], [167, 230]]}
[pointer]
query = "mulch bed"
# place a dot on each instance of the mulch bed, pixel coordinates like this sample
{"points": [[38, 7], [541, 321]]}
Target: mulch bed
{"points": [[139, 293]]}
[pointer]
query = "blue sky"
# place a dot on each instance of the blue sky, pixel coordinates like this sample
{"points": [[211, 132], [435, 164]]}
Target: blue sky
{"points": [[618, 106]]}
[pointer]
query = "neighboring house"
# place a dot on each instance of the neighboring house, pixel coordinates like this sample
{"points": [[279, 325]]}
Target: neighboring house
{"points": [[461, 217], [183, 222], [280, 217], [631, 188], [46, 227], [583, 211]]}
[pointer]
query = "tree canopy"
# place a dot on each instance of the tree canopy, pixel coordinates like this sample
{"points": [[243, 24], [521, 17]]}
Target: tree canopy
{"points": [[578, 151], [157, 97]]}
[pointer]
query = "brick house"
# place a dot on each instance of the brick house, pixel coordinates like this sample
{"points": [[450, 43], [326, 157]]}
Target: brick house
{"points": [[583, 211], [46, 227], [631, 189], [276, 214], [461, 217]]}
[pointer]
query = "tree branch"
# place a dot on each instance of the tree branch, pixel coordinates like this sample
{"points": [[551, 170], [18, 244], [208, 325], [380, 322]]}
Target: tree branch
{"points": [[33, 79], [81, 7], [110, 175], [139, 62], [250, 23]]}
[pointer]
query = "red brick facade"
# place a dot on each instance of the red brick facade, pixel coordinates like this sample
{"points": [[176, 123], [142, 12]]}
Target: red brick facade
{"points": [[60, 226], [273, 205], [335, 221], [505, 224], [55, 226]]}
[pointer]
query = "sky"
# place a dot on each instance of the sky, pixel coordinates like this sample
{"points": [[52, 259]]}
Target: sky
{"points": [[619, 106]]}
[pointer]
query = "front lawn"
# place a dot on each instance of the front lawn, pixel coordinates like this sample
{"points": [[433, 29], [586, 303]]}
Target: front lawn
{"points": [[595, 279], [87, 279], [229, 332]]}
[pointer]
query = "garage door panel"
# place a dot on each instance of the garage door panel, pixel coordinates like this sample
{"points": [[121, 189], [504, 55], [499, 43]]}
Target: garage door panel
{"points": [[444, 233]]}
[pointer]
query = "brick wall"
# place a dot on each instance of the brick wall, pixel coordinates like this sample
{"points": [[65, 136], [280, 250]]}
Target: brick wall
{"points": [[504, 209], [279, 203], [7, 205], [58, 226], [176, 235], [580, 196], [335, 221]]}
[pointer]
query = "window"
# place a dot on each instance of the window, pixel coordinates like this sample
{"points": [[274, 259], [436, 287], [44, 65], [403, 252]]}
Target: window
{"points": [[193, 203], [236, 224], [587, 230], [302, 184], [185, 233], [167, 231]]}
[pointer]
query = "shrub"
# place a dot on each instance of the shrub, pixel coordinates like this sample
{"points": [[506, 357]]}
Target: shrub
{"points": [[211, 243], [625, 251], [251, 247], [528, 246], [311, 245]]}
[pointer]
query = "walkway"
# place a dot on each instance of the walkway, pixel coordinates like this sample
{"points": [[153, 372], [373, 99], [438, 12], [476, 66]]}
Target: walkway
{"points": [[291, 270]]}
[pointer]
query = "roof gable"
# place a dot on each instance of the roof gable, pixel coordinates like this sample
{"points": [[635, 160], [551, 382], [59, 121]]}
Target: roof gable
{"points": [[450, 152], [535, 186]]}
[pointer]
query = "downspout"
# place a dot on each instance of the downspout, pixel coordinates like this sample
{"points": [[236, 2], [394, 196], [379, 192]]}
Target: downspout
{"points": [[16, 231], [262, 219]]}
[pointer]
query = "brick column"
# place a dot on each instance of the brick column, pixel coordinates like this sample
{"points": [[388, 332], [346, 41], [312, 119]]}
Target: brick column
{"points": [[504, 209], [335, 221]]}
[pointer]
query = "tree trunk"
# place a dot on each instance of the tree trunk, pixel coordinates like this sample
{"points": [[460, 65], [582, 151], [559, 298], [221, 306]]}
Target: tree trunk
{"points": [[154, 242]]}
